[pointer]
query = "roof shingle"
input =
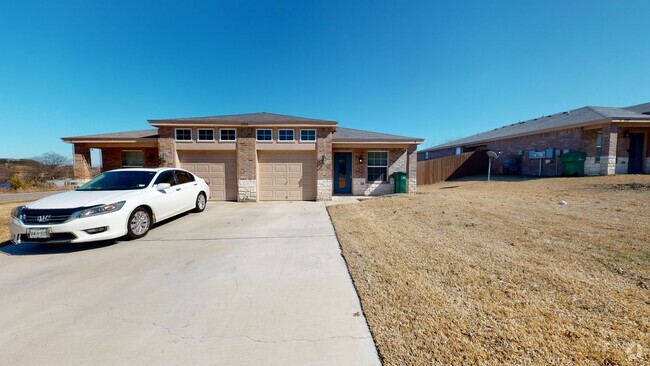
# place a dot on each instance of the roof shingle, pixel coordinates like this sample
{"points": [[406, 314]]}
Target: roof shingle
{"points": [[570, 119]]}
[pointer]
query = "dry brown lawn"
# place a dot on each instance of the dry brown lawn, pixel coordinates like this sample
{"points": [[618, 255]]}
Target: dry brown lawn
{"points": [[502, 273], [5, 212]]}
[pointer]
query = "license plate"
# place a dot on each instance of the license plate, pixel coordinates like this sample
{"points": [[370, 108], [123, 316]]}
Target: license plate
{"points": [[38, 233]]}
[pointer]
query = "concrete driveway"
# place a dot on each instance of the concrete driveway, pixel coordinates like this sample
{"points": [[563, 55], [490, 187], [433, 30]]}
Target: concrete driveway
{"points": [[240, 284]]}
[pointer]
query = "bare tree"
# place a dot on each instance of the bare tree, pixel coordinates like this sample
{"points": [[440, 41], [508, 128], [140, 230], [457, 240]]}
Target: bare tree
{"points": [[53, 160], [49, 166]]}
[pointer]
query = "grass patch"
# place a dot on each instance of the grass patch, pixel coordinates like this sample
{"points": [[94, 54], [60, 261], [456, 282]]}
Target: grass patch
{"points": [[501, 273], [5, 213]]}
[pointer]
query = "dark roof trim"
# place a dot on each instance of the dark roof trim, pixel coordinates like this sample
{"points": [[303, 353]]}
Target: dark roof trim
{"points": [[252, 119], [136, 136], [350, 135]]}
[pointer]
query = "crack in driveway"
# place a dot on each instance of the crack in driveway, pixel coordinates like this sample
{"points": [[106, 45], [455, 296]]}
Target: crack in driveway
{"points": [[202, 338]]}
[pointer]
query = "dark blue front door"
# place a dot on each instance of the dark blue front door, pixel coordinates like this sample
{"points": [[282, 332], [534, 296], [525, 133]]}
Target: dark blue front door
{"points": [[342, 173]]}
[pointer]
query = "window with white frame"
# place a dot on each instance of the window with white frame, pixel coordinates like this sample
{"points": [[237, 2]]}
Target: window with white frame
{"points": [[183, 134], [132, 158], [205, 134], [307, 135], [227, 134], [377, 166], [458, 150], [264, 135], [285, 135]]}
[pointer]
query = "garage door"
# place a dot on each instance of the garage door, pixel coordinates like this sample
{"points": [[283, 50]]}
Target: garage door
{"points": [[218, 169], [287, 176]]}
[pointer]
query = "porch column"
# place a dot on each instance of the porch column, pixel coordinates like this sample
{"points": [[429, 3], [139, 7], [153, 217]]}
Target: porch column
{"points": [[81, 162], [166, 147], [324, 166], [608, 150], [246, 165], [412, 168]]}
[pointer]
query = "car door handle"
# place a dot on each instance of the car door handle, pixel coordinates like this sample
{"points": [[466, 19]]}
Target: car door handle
{"points": [[178, 189], [196, 184]]}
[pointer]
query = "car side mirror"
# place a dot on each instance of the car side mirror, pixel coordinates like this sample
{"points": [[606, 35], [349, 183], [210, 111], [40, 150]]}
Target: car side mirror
{"points": [[162, 186]]}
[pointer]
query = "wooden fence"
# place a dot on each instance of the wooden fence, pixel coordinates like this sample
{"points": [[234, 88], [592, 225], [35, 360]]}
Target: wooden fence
{"points": [[452, 167]]}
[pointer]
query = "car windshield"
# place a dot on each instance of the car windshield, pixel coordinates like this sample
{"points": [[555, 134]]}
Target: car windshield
{"points": [[118, 181]]}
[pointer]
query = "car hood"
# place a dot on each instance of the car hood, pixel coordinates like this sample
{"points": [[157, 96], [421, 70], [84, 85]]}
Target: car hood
{"points": [[74, 199]]}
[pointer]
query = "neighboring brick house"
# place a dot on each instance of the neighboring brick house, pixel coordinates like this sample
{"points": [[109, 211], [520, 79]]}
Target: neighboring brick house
{"points": [[616, 141], [261, 156]]}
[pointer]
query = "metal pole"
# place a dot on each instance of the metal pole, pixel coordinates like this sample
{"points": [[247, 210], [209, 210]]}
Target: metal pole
{"points": [[489, 168], [540, 167]]}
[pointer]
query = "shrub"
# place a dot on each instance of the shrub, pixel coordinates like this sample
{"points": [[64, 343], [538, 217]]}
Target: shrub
{"points": [[17, 183]]}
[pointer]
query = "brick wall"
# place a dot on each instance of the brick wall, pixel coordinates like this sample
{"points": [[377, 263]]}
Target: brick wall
{"points": [[112, 157], [571, 139]]}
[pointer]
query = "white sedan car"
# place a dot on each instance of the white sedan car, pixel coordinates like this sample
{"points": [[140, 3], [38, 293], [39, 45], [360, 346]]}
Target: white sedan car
{"points": [[116, 203]]}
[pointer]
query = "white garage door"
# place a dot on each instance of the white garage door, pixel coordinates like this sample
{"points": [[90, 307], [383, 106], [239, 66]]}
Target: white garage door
{"points": [[287, 176], [217, 168]]}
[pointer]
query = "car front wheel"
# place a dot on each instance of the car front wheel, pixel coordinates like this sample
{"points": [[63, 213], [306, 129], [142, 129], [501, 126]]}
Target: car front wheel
{"points": [[201, 201], [139, 223]]}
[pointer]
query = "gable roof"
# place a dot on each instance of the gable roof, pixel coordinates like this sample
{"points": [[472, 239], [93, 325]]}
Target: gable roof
{"points": [[352, 135], [570, 119], [262, 118], [117, 136]]}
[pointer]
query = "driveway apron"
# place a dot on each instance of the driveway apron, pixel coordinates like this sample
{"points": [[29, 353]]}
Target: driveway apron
{"points": [[239, 284]]}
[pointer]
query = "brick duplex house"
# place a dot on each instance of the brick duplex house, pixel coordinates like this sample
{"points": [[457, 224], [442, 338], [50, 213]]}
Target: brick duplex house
{"points": [[616, 141], [260, 156]]}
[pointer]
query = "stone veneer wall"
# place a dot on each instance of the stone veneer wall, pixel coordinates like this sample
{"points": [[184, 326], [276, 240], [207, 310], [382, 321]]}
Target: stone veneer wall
{"points": [[609, 148], [246, 165], [412, 173], [324, 169], [167, 148], [81, 162]]}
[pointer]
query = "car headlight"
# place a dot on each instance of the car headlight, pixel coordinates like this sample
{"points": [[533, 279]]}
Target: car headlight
{"points": [[17, 211], [101, 209]]}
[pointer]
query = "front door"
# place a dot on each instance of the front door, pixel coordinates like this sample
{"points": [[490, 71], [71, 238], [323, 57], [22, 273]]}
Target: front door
{"points": [[635, 163], [342, 173]]}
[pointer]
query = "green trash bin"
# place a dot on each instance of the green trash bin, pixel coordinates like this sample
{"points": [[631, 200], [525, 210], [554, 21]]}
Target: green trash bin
{"points": [[400, 182], [573, 163]]}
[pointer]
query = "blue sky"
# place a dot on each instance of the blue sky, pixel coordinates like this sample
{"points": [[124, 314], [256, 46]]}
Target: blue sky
{"points": [[437, 70]]}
